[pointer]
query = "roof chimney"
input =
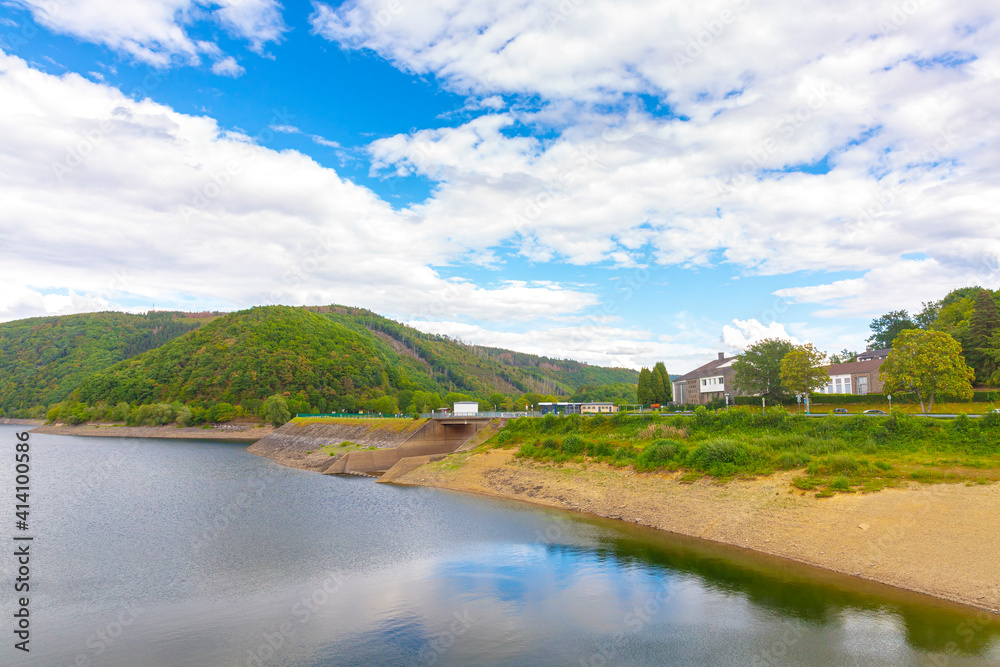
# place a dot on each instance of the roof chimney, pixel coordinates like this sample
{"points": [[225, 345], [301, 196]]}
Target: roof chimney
{"points": [[722, 356]]}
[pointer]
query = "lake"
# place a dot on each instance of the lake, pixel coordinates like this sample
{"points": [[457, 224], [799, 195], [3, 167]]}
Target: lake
{"points": [[180, 552]]}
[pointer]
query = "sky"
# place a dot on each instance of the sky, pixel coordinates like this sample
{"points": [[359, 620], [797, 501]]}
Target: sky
{"points": [[618, 182]]}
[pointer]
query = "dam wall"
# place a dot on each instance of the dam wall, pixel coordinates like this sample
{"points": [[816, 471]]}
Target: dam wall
{"points": [[298, 443]]}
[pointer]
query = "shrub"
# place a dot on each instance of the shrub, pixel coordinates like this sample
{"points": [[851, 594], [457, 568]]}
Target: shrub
{"points": [[712, 453], [550, 443], [573, 444], [658, 454], [221, 412], [793, 459], [843, 463], [184, 416], [841, 484], [596, 449]]}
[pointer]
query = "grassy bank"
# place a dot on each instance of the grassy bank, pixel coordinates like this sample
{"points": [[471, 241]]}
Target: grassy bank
{"points": [[835, 455]]}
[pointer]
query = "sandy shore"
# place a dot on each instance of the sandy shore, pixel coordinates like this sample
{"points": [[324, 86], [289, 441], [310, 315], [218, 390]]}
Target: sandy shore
{"points": [[239, 432], [941, 539]]}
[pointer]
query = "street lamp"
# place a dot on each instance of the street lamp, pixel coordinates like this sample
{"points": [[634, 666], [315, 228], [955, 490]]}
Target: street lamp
{"points": [[889, 396]]}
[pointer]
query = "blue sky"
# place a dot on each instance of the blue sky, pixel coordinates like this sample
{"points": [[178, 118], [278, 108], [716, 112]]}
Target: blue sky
{"points": [[613, 182]]}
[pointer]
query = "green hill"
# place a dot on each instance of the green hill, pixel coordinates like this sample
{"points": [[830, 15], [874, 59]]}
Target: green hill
{"points": [[43, 359], [329, 359]]}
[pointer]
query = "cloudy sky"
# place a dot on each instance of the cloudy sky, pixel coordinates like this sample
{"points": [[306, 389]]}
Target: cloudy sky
{"points": [[612, 181]]}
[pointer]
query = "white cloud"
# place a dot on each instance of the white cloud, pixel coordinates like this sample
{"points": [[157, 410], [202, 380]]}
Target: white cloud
{"points": [[595, 343], [911, 145], [258, 21], [228, 67], [193, 213], [155, 31], [741, 334], [897, 284]]}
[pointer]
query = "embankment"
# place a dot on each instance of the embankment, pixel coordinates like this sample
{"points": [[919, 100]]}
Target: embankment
{"points": [[299, 443], [936, 539], [237, 432]]}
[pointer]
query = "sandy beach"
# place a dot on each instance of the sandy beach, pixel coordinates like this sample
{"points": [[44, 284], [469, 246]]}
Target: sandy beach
{"points": [[941, 539]]}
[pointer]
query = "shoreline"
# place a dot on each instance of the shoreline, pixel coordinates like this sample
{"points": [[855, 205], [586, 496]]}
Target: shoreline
{"points": [[248, 433], [937, 540]]}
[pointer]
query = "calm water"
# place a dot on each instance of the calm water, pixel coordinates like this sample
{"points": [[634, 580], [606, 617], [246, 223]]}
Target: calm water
{"points": [[153, 552]]}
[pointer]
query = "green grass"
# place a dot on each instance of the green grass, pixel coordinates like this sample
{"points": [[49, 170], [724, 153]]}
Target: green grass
{"points": [[836, 455]]}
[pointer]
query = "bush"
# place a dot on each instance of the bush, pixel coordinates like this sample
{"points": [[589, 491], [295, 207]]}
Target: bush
{"points": [[793, 459], [184, 416], [657, 455], [843, 463], [841, 484], [573, 444], [596, 449], [53, 413], [550, 443], [221, 412]]}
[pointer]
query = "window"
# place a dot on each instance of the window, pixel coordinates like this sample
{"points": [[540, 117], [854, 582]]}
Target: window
{"points": [[862, 385]]}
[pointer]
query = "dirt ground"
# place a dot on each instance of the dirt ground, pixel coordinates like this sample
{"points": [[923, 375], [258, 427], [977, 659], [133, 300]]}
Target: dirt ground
{"points": [[241, 432], [941, 539]]}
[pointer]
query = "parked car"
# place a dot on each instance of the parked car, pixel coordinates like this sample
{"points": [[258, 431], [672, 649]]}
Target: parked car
{"points": [[997, 410], [840, 411], [875, 412]]}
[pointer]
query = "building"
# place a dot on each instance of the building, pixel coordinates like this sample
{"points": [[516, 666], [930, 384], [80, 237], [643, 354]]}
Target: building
{"points": [[566, 408], [598, 408], [855, 377], [869, 355], [466, 408], [714, 380]]}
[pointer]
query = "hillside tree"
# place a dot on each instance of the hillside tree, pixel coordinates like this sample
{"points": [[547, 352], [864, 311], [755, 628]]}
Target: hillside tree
{"points": [[927, 363], [802, 370], [758, 369]]}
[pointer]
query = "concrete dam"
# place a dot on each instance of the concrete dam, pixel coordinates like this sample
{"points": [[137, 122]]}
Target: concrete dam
{"points": [[391, 447]]}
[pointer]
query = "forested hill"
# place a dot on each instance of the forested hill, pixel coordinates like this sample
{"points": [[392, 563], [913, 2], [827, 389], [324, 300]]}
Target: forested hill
{"points": [[43, 359], [478, 369], [325, 359]]}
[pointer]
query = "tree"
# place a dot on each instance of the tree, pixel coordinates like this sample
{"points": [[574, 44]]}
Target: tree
{"points": [[984, 322], [802, 370], [887, 327], [758, 369], [644, 390], [927, 363], [663, 390], [928, 314], [845, 356], [275, 410], [496, 399]]}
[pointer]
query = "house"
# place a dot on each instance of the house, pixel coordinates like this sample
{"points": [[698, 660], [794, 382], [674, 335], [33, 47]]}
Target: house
{"points": [[855, 377], [566, 408], [714, 380], [560, 408], [869, 355], [598, 408]]}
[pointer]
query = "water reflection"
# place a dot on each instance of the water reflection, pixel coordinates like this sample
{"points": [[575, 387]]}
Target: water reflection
{"points": [[305, 570]]}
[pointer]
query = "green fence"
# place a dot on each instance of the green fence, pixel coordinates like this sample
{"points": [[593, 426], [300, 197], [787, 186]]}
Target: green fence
{"points": [[355, 415], [854, 399]]}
